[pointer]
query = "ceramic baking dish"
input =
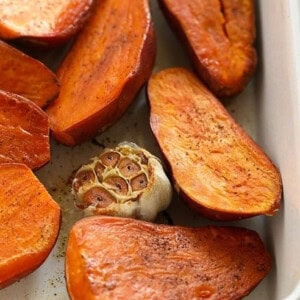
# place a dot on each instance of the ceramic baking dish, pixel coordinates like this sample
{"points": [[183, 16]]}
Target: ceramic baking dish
{"points": [[268, 109]]}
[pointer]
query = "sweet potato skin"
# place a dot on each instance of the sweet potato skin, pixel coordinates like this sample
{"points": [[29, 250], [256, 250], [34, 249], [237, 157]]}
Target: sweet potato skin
{"points": [[219, 36], [109, 62], [220, 171], [47, 23], [118, 258], [26, 76], [29, 223], [24, 132]]}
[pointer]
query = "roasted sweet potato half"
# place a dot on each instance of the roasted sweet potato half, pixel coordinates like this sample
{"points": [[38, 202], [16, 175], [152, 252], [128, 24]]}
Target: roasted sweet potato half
{"points": [[23, 75], [24, 132], [47, 22], [29, 222], [119, 258], [111, 59], [219, 35], [217, 167]]}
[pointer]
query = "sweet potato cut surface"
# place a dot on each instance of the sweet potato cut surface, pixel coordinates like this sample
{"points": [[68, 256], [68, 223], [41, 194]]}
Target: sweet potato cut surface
{"points": [[29, 222], [24, 131], [217, 167], [219, 35], [47, 21], [111, 59], [118, 258], [25, 76]]}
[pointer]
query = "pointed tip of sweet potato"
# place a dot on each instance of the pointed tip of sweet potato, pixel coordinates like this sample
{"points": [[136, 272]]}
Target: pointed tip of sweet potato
{"points": [[30, 222], [218, 168], [165, 262]]}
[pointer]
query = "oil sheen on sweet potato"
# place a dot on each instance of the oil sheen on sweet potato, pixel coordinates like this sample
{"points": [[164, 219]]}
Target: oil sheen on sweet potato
{"points": [[118, 258], [219, 35], [24, 132], [46, 22], [29, 222], [23, 75], [111, 59], [217, 167]]}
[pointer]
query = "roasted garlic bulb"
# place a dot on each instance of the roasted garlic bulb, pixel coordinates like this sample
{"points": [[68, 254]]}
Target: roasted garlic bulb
{"points": [[125, 181]]}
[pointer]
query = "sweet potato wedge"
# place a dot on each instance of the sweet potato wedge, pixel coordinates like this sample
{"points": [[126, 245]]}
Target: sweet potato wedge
{"points": [[111, 59], [47, 22], [118, 258], [219, 35], [23, 75], [29, 222], [217, 167], [24, 131]]}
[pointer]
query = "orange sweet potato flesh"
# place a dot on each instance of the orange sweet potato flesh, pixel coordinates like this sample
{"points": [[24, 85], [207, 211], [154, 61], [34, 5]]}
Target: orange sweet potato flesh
{"points": [[48, 22], [29, 222], [118, 258], [111, 59], [24, 132], [217, 167], [23, 75], [219, 35]]}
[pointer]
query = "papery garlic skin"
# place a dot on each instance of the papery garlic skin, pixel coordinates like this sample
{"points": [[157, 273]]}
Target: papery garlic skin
{"points": [[126, 181]]}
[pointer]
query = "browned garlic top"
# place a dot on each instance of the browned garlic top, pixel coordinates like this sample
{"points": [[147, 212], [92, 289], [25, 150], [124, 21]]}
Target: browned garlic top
{"points": [[125, 181]]}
